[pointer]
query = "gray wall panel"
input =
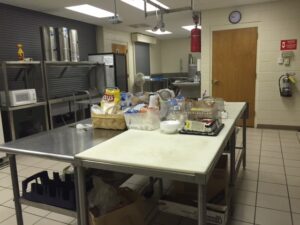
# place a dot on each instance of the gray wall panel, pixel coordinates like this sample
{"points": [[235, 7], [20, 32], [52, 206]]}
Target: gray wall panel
{"points": [[19, 25]]}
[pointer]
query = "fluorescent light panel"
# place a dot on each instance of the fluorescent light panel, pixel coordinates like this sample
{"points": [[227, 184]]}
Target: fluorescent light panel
{"points": [[140, 4], [190, 27], [90, 10], [158, 32]]}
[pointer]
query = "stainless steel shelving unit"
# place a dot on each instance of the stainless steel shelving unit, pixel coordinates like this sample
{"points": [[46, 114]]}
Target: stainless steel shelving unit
{"points": [[71, 99], [24, 70]]}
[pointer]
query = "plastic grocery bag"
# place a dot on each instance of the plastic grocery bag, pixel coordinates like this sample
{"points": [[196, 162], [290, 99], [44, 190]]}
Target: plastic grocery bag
{"points": [[103, 197]]}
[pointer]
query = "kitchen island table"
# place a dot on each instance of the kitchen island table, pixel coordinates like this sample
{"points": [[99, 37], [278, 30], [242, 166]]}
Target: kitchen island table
{"points": [[187, 158]]}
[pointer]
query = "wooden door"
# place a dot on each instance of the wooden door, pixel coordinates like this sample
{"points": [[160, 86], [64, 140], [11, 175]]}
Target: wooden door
{"points": [[234, 66], [117, 48]]}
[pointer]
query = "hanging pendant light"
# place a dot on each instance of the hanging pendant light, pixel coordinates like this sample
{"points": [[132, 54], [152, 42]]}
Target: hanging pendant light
{"points": [[196, 35]]}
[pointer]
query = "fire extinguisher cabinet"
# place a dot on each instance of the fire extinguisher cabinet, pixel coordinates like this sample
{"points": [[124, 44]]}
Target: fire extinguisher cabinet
{"points": [[196, 40]]}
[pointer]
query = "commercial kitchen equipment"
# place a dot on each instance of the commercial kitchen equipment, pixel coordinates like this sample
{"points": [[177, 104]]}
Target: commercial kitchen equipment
{"points": [[63, 44], [63, 79], [49, 43], [19, 97], [16, 75], [74, 45], [115, 69]]}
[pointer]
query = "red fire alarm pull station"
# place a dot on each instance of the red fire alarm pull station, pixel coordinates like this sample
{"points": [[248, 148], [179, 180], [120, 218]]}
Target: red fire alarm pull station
{"points": [[288, 45]]}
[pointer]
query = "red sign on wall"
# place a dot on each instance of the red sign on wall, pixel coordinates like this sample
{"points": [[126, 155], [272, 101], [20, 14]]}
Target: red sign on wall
{"points": [[288, 44]]}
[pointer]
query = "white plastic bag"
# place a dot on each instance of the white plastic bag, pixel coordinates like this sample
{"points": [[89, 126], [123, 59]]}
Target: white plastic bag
{"points": [[104, 197]]}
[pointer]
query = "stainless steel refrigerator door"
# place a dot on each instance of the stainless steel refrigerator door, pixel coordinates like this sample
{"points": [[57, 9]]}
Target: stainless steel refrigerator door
{"points": [[109, 68], [110, 76]]}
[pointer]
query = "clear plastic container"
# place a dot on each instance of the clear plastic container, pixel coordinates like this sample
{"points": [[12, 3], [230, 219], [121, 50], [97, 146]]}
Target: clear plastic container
{"points": [[143, 120]]}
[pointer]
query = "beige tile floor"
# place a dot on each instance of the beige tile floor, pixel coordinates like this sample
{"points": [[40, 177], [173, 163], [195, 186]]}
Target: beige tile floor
{"points": [[267, 192]]}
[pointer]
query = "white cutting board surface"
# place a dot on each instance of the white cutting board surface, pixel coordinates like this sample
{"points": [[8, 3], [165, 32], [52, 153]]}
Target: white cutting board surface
{"points": [[155, 150]]}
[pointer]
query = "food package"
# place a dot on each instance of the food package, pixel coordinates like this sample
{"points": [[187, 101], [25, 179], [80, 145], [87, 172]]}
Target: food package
{"points": [[111, 98]]}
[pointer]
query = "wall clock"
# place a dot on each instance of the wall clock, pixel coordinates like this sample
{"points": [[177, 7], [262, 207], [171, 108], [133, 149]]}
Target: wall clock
{"points": [[235, 17]]}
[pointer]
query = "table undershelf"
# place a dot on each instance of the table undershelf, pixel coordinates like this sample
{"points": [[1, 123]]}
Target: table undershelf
{"points": [[50, 208]]}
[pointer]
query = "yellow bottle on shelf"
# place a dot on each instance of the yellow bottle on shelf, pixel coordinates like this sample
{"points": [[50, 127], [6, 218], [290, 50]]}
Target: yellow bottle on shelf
{"points": [[20, 52]]}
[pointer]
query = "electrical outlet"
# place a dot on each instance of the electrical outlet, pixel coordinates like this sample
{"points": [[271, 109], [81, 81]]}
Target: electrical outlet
{"points": [[280, 60]]}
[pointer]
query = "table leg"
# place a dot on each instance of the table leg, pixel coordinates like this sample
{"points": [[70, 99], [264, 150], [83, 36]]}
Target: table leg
{"points": [[82, 200], [232, 143], [245, 137], [16, 191], [76, 182], [161, 187], [202, 204]]}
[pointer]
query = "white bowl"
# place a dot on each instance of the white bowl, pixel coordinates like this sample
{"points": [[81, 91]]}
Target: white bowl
{"points": [[169, 126]]}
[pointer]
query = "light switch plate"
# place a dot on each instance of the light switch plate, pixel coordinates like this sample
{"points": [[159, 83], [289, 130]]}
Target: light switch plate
{"points": [[280, 60]]}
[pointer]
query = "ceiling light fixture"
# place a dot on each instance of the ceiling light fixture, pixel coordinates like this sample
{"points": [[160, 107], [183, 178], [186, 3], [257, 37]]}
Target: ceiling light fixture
{"points": [[159, 32], [90, 10], [190, 27], [140, 5]]}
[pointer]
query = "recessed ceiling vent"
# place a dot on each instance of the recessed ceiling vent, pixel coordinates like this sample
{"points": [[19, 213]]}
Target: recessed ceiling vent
{"points": [[140, 25]]}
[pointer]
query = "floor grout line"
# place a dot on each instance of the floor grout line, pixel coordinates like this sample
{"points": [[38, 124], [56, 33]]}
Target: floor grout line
{"points": [[256, 194], [287, 186]]}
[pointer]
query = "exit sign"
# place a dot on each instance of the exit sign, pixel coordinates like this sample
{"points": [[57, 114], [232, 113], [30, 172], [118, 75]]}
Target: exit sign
{"points": [[288, 44]]}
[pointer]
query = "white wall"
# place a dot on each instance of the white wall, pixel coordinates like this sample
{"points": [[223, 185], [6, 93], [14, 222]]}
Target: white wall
{"points": [[106, 37], [172, 52], [275, 21], [155, 58]]}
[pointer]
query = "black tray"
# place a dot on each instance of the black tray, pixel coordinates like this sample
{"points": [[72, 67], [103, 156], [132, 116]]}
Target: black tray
{"points": [[48, 191], [212, 133]]}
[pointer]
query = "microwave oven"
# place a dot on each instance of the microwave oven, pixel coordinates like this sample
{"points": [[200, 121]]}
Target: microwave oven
{"points": [[19, 97]]}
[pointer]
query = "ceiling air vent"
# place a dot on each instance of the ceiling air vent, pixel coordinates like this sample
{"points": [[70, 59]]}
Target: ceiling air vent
{"points": [[141, 25]]}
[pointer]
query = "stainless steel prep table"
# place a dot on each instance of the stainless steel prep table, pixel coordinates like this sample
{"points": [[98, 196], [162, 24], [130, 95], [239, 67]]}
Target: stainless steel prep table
{"points": [[186, 158], [60, 144]]}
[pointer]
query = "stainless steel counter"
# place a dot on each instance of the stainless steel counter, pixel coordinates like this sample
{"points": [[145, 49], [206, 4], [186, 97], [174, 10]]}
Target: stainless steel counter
{"points": [[59, 144]]}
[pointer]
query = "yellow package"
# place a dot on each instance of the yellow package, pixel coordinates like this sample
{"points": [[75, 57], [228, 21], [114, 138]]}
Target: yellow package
{"points": [[111, 98]]}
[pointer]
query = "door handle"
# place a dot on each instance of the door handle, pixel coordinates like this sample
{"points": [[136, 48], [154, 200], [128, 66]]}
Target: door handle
{"points": [[215, 82]]}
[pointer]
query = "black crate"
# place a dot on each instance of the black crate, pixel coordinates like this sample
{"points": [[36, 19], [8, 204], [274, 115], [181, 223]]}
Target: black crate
{"points": [[55, 192]]}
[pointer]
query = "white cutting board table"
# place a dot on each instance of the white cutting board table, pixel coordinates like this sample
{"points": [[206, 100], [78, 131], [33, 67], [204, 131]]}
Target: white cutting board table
{"points": [[152, 150]]}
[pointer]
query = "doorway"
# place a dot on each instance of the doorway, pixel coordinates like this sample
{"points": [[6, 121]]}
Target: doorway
{"points": [[119, 49], [234, 67]]}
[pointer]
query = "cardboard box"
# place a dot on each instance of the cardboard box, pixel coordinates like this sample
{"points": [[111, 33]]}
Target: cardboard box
{"points": [[216, 214], [132, 214], [182, 199], [217, 185]]}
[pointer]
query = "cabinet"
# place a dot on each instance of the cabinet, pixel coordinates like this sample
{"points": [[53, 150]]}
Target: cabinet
{"points": [[20, 121], [68, 83]]}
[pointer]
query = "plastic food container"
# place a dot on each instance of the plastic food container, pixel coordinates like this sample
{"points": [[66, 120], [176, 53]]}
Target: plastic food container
{"points": [[170, 126], [143, 120]]}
